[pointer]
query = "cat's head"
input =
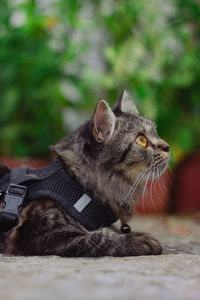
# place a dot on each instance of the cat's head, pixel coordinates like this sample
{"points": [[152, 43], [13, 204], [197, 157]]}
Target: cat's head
{"points": [[127, 142], [120, 141]]}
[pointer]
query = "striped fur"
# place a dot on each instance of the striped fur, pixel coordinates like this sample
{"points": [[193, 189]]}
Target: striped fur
{"points": [[104, 157]]}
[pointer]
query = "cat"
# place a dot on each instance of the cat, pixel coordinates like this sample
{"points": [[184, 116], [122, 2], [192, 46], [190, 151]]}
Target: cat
{"points": [[113, 155]]}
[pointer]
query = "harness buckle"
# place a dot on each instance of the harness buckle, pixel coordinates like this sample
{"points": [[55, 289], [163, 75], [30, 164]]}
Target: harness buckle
{"points": [[12, 205]]}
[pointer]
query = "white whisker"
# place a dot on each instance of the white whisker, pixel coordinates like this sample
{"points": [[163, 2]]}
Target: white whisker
{"points": [[151, 198], [163, 184], [138, 178], [146, 183], [145, 187], [135, 185], [159, 183]]}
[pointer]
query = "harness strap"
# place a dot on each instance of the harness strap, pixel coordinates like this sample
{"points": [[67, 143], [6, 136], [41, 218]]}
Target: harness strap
{"points": [[15, 194], [17, 174], [53, 182], [13, 202]]}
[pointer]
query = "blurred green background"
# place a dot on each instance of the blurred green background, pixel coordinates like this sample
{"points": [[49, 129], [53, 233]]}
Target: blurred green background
{"points": [[59, 57]]}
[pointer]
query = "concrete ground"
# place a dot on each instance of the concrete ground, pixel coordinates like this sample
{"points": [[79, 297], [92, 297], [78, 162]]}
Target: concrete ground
{"points": [[173, 275]]}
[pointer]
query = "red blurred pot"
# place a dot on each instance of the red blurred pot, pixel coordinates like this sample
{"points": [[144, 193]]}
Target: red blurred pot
{"points": [[185, 193]]}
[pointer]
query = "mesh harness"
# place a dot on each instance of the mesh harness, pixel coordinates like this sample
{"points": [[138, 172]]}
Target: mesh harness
{"points": [[52, 182]]}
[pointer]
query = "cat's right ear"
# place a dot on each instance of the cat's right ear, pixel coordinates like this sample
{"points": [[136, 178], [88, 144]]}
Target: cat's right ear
{"points": [[103, 122], [125, 104]]}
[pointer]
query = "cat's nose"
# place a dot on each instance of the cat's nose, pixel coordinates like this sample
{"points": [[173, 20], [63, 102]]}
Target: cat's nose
{"points": [[162, 145]]}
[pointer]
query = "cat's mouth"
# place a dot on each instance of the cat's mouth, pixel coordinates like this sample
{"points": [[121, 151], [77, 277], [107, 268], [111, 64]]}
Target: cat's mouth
{"points": [[159, 166]]}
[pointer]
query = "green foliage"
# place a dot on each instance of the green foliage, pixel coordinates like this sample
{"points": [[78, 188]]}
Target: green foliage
{"points": [[71, 53]]}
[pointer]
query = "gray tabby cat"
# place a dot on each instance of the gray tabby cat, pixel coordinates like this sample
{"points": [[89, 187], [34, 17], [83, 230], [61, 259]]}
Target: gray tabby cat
{"points": [[113, 155]]}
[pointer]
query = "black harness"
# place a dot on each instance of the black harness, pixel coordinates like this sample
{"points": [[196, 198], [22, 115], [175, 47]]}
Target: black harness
{"points": [[52, 182]]}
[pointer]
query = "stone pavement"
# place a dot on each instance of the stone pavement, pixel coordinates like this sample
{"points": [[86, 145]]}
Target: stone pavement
{"points": [[173, 275]]}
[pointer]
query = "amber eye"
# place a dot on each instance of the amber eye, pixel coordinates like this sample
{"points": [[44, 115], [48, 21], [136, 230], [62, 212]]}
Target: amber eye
{"points": [[141, 140]]}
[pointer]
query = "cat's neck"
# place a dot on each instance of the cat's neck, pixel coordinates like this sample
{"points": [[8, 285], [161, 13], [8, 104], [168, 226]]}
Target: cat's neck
{"points": [[108, 187]]}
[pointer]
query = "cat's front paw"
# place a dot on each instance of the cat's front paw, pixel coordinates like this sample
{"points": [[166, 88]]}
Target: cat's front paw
{"points": [[144, 244]]}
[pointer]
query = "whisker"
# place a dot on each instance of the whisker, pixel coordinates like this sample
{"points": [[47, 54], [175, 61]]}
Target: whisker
{"points": [[159, 183], [151, 198], [135, 185], [138, 178], [163, 185], [145, 187], [156, 192], [159, 186]]}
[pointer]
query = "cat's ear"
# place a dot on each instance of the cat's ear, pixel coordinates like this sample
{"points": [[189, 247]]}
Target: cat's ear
{"points": [[125, 104], [103, 122]]}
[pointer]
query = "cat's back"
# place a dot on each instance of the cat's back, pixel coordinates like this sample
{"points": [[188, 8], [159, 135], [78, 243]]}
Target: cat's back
{"points": [[3, 170]]}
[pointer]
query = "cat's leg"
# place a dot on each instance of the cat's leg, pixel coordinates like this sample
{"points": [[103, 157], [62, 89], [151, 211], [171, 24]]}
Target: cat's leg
{"points": [[45, 229], [107, 242], [73, 242]]}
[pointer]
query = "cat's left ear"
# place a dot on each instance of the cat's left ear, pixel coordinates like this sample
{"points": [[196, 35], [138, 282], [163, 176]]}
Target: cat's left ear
{"points": [[125, 104], [103, 122]]}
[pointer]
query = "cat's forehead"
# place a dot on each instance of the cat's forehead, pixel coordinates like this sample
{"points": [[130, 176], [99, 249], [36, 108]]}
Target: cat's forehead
{"points": [[139, 123], [147, 124]]}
